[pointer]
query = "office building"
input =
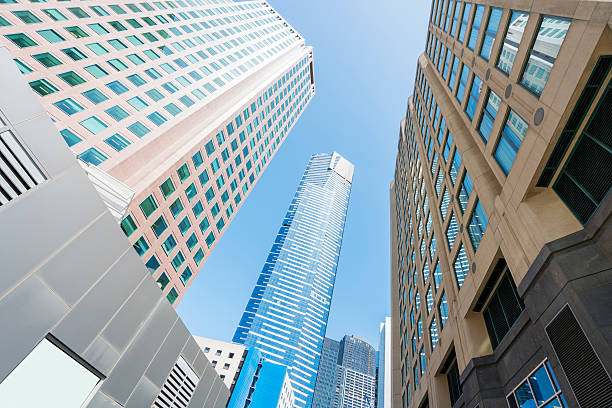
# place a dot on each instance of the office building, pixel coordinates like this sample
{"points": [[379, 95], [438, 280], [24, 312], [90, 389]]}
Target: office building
{"points": [[347, 374], [286, 316], [501, 266], [384, 376], [226, 358], [183, 102], [85, 324], [262, 384]]}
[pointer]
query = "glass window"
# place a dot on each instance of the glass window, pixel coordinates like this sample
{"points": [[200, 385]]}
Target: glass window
{"points": [[93, 156], [152, 264], [51, 35], [544, 52], [178, 260], [47, 59], [117, 64], [167, 188], [117, 112], [155, 95], [48, 377], [488, 115], [21, 40], [55, 14], [93, 124], [478, 17], [27, 17], [197, 159], [172, 109], [172, 296], [451, 232], [137, 103], [176, 207], [79, 12], [77, 32], [465, 72], [198, 209], [117, 87], [117, 142], [96, 71], [186, 275], [512, 40], [138, 129], [464, 21], [183, 172], [191, 191], [491, 32], [43, 87], [184, 225], [198, 257], [159, 226], [148, 205], [117, 44], [95, 96], [128, 225], [97, 48], [163, 281], [455, 18], [477, 225], [72, 78], [464, 191], [470, 109], [98, 28], [455, 67], [135, 59], [461, 266], [69, 106], [134, 40], [23, 68], [69, 137], [510, 141], [157, 118]]}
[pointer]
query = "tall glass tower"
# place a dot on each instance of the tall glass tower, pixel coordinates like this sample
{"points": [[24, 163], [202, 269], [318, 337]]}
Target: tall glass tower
{"points": [[287, 313]]}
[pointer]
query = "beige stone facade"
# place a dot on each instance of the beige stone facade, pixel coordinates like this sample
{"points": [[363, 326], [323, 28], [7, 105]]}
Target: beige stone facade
{"points": [[504, 150]]}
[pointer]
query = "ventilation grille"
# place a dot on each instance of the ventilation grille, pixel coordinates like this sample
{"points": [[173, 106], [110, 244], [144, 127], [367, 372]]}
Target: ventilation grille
{"points": [[178, 388], [503, 310], [18, 171], [571, 127], [586, 178], [585, 373]]}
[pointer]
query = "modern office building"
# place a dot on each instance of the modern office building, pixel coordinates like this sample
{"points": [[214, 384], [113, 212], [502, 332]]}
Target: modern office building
{"points": [[262, 384], [226, 358], [384, 376], [286, 316], [501, 272], [183, 102], [347, 374], [84, 324]]}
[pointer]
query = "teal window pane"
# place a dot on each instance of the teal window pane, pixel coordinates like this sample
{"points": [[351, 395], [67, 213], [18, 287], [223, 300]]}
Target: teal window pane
{"points": [[183, 172], [186, 275], [51, 35], [95, 96], [151, 54], [47, 59], [98, 28], [117, 142], [197, 159], [210, 239], [148, 206], [134, 40], [192, 241], [152, 264], [77, 32], [491, 32], [117, 9], [55, 14], [21, 40], [215, 165], [117, 87], [93, 124], [159, 226], [93, 156], [176, 207], [69, 137], [4, 22], [169, 244], [69, 106], [172, 109], [153, 73], [23, 68], [155, 95], [198, 209], [141, 246], [210, 147], [99, 11], [96, 71], [128, 225], [172, 296], [117, 113], [97, 49], [156, 118], [79, 12], [191, 191], [167, 187], [72, 78], [198, 257], [203, 177], [512, 40], [210, 194], [138, 129], [27, 17], [117, 44], [510, 141], [204, 225], [135, 59], [163, 281], [489, 113], [136, 80], [117, 64], [187, 101], [477, 225], [184, 225], [43, 87], [178, 260]]}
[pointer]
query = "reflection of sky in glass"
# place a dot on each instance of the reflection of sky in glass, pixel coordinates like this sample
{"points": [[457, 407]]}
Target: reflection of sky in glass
{"points": [[541, 386], [516, 27]]}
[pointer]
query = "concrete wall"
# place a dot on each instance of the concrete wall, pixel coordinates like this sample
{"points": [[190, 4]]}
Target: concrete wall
{"points": [[69, 271]]}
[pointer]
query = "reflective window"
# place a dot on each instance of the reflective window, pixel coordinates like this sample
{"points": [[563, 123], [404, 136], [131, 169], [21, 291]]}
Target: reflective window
{"points": [[477, 225], [510, 141], [43, 87], [169, 244], [464, 191], [464, 21], [95, 96], [455, 66], [117, 142], [138, 129], [27, 17], [96, 71], [69, 106], [159, 226], [455, 18], [176, 207], [128, 225], [148, 206], [461, 266], [93, 156], [478, 17], [186, 275], [491, 32], [69, 137], [540, 389], [51, 35], [512, 40], [451, 231], [93, 124], [97, 48], [470, 109], [443, 309], [21, 40], [47, 59], [117, 112], [489, 113], [551, 33]]}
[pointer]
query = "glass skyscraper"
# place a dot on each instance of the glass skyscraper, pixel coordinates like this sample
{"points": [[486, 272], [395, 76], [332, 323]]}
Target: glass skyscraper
{"points": [[287, 313]]}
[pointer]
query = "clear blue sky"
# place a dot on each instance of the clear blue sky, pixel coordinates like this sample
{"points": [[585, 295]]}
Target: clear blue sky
{"points": [[365, 56]]}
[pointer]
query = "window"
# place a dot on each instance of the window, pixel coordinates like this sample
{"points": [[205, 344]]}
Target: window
{"points": [[453, 379], [539, 390], [183, 172], [77, 32], [96, 71], [477, 225], [503, 309], [464, 21], [488, 115], [159, 226], [47, 59], [137, 103], [21, 40], [451, 231], [152, 264], [512, 40], [55, 14], [191, 191], [128, 225], [79, 12], [169, 244], [136, 80], [455, 67], [510, 141], [117, 64], [491, 32], [464, 192], [178, 260], [465, 72], [93, 124], [48, 377], [148, 206], [95, 96], [163, 281], [43, 87], [117, 142], [176, 207], [27, 17], [461, 266], [138, 129], [117, 87], [51, 35], [185, 276], [69, 106], [167, 187], [172, 296], [443, 309], [543, 53], [117, 112], [69, 137], [141, 246], [478, 17], [156, 118], [97, 49], [23, 68], [455, 18], [470, 109]]}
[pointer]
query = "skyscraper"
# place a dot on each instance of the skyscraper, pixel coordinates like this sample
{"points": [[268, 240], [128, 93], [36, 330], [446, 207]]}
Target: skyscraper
{"points": [[347, 374], [384, 374], [500, 210], [184, 103], [286, 316]]}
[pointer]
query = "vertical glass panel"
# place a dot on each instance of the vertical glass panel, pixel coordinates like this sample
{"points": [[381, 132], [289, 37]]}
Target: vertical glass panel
{"points": [[117, 142], [455, 18], [524, 396], [488, 115], [461, 266], [512, 40], [478, 17], [551, 33], [510, 141], [477, 225], [541, 385], [464, 21], [491, 32], [470, 109], [465, 72]]}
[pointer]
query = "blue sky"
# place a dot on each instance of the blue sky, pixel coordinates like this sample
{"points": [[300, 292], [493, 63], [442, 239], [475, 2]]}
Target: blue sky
{"points": [[365, 59]]}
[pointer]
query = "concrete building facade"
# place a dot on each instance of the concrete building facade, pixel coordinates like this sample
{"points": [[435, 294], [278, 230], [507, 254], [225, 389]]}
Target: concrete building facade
{"points": [[227, 358], [85, 323], [286, 316], [501, 272], [184, 103]]}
